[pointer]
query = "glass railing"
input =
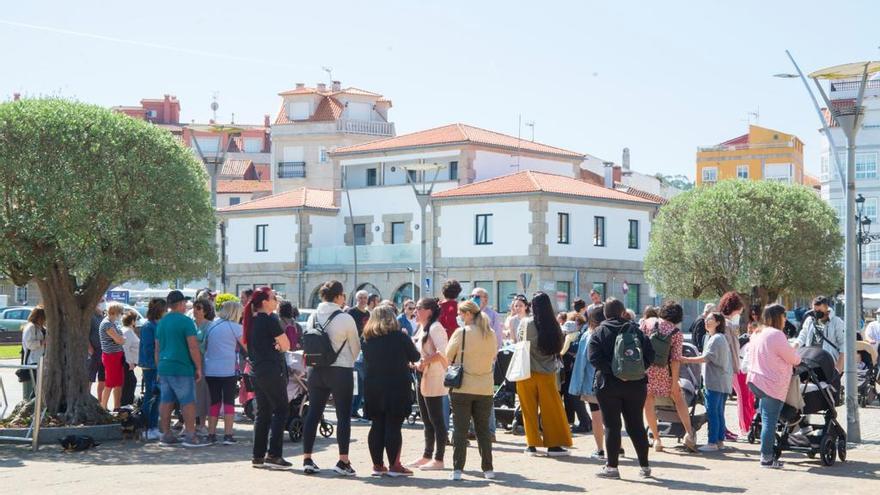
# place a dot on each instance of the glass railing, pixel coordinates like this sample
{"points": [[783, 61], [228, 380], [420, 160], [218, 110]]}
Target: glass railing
{"points": [[367, 255]]}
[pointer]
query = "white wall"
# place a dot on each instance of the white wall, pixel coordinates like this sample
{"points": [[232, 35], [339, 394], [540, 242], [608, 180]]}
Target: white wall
{"points": [[281, 238], [580, 218], [327, 231], [223, 198], [488, 164], [510, 230]]}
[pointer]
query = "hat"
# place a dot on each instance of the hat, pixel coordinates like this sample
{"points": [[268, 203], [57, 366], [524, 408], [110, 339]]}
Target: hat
{"points": [[175, 297]]}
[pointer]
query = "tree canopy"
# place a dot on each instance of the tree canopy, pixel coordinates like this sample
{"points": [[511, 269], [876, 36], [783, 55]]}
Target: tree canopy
{"points": [[744, 235], [87, 197]]}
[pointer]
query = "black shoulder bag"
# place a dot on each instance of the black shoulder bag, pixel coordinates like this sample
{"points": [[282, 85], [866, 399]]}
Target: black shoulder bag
{"points": [[455, 371], [24, 375]]}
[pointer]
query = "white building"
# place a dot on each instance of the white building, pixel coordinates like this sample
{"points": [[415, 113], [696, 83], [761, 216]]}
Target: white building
{"points": [[502, 208]]}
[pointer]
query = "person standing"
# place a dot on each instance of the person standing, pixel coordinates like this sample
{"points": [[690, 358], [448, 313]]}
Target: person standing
{"points": [[266, 344], [337, 379], [431, 340], [539, 394], [33, 346], [824, 329], [179, 365], [731, 307], [405, 318], [222, 340], [520, 309], [573, 330], [388, 353], [595, 300], [96, 367], [616, 396], [360, 313], [147, 362], [771, 359], [583, 375], [288, 314], [480, 297], [449, 306], [717, 379], [203, 313], [130, 348], [112, 356], [474, 347]]}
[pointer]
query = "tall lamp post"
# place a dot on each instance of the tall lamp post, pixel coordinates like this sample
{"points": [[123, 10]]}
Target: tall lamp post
{"points": [[422, 189]]}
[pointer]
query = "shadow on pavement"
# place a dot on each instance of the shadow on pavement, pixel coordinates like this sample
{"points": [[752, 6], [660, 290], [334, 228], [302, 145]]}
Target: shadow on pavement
{"points": [[687, 486]]}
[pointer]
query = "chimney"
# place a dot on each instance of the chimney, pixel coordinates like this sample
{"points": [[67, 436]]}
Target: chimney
{"points": [[337, 86], [626, 159], [616, 175], [322, 87], [16, 96], [266, 121], [609, 174], [300, 85]]}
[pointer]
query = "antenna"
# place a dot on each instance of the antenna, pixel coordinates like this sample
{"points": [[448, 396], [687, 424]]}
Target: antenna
{"points": [[531, 123], [756, 114], [214, 104], [329, 71]]}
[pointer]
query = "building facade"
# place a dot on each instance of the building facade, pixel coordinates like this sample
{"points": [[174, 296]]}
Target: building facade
{"points": [[760, 154]]}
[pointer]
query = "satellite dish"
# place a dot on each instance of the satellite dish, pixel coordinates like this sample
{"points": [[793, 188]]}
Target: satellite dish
{"points": [[214, 106]]}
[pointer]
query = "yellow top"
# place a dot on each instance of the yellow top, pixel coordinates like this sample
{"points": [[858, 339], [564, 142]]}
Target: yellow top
{"points": [[479, 356]]}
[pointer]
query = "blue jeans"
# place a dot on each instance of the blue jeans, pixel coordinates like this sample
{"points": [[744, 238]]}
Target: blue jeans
{"points": [[715, 414], [180, 389], [447, 412], [770, 409], [359, 398], [151, 399]]}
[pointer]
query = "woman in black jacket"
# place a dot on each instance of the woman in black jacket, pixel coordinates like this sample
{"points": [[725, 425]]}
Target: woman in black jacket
{"points": [[617, 397], [388, 352]]}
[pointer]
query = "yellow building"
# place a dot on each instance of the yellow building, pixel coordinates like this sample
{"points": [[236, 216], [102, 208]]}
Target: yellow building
{"points": [[761, 154]]}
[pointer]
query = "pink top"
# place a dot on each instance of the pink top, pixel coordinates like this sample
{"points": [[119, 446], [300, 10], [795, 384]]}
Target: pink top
{"points": [[771, 360]]}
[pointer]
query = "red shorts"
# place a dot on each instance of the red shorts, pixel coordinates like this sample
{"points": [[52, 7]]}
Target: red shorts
{"points": [[114, 375]]}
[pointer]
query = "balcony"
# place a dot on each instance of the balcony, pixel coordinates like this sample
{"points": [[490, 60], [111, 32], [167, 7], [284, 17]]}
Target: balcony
{"points": [[365, 127], [367, 255], [291, 170], [843, 86], [762, 146]]}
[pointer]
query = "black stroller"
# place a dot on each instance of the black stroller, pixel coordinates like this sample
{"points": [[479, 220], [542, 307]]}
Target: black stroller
{"points": [[298, 394], [867, 373], [690, 380], [507, 412]]}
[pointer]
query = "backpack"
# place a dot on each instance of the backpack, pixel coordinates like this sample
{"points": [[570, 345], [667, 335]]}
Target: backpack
{"points": [[627, 363], [662, 345], [317, 348]]}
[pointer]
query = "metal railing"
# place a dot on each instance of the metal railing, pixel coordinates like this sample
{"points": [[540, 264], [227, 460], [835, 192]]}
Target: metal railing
{"points": [[735, 147], [291, 170], [32, 435], [376, 128], [854, 85]]}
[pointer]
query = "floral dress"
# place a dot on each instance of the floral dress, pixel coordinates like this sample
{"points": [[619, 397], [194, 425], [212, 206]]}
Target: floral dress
{"points": [[659, 378]]}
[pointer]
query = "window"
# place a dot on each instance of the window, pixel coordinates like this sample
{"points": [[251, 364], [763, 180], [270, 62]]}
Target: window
{"points": [[599, 231], [323, 157], [291, 170], [742, 171], [484, 229], [781, 172], [506, 290], [563, 295], [397, 233], [261, 239], [253, 145], [21, 294], [208, 145], [412, 176], [372, 175], [360, 234], [298, 110], [633, 234], [600, 288], [632, 298], [234, 200], [453, 170], [152, 114], [710, 174], [870, 210], [866, 165], [280, 289], [563, 229]]}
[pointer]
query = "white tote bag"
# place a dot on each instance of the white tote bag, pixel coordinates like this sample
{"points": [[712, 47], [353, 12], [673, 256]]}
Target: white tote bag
{"points": [[520, 367]]}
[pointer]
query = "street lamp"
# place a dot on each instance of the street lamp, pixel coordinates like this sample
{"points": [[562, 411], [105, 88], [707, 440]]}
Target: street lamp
{"points": [[422, 189]]}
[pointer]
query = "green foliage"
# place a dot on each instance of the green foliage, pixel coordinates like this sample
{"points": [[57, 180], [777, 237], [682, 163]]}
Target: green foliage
{"points": [[678, 181], [738, 235], [222, 298], [96, 194]]}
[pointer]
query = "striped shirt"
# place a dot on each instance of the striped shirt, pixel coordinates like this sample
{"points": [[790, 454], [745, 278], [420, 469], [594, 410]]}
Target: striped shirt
{"points": [[107, 344]]}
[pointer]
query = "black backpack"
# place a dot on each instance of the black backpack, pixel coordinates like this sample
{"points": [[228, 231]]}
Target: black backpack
{"points": [[317, 348]]}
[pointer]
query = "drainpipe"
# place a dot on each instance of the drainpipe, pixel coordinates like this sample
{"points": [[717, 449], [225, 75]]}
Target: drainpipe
{"points": [[301, 260]]}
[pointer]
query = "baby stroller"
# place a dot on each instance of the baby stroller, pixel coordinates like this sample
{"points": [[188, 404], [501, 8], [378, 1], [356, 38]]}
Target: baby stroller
{"points": [[820, 390], [867, 373], [507, 412], [298, 394], [690, 380], [414, 413]]}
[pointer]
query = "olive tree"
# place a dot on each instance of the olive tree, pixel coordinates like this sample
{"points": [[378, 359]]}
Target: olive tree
{"points": [[88, 197], [755, 237]]}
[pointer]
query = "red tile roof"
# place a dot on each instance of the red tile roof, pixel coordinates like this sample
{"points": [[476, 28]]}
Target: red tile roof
{"points": [[329, 109], [297, 198], [235, 168], [456, 134], [306, 90], [642, 194], [744, 139], [530, 181], [243, 186]]}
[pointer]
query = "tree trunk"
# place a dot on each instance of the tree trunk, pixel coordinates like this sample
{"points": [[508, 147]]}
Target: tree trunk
{"points": [[66, 387]]}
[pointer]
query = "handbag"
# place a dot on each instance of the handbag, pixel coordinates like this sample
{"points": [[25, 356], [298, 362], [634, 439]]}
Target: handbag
{"points": [[24, 375], [455, 372], [520, 367]]}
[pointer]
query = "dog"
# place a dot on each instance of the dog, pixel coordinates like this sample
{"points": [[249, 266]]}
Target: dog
{"points": [[77, 443], [131, 420]]}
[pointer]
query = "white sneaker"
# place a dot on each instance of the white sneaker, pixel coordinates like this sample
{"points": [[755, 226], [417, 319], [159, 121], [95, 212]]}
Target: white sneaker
{"points": [[153, 434], [709, 447], [455, 476], [489, 475], [645, 472], [608, 473]]}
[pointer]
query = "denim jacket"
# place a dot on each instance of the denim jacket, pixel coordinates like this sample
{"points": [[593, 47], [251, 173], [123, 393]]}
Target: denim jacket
{"points": [[582, 373]]}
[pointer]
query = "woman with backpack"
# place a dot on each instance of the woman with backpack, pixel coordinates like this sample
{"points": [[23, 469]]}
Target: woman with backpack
{"points": [[666, 340], [539, 394], [333, 375], [622, 384]]}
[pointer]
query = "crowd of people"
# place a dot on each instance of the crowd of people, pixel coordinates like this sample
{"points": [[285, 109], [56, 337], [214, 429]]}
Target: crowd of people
{"points": [[379, 363]]}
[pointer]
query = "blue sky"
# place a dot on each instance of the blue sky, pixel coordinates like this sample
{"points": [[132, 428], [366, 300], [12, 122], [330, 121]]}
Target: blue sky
{"points": [[595, 76]]}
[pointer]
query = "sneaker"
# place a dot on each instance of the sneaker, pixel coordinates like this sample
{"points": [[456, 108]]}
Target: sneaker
{"points": [[229, 440], [709, 447], [152, 434], [201, 431], [530, 451], [598, 454], [309, 467], [379, 470], [771, 464], [608, 473], [277, 463], [645, 472], [729, 435], [489, 475], [212, 439], [397, 471], [169, 439], [455, 476], [557, 452], [195, 441], [258, 463], [432, 466], [344, 468]]}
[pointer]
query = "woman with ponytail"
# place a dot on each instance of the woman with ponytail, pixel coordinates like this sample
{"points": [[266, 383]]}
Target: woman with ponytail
{"points": [[266, 345]]}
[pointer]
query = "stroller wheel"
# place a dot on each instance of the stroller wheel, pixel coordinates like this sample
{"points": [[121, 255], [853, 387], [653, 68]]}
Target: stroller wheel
{"points": [[296, 430], [828, 450], [751, 437], [841, 448], [863, 400], [250, 409], [411, 419], [326, 429]]}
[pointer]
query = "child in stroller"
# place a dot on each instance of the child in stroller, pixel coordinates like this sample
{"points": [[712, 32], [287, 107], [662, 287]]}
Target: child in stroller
{"points": [[867, 372], [298, 395]]}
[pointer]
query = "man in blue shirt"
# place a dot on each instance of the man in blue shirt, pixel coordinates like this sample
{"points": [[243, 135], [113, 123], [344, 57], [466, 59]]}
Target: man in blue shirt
{"points": [[405, 317]]}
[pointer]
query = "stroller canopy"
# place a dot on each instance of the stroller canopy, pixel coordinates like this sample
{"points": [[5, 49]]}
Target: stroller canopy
{"points": [[819, 361]]}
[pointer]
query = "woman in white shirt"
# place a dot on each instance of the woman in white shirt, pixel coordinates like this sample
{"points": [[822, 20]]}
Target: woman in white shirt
{"points": [[519, 309], [33, 344], [131, 349]]}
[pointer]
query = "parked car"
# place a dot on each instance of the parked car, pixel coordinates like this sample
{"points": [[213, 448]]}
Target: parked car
{"points": [[304, 315], [12, 319], [141, 321]]}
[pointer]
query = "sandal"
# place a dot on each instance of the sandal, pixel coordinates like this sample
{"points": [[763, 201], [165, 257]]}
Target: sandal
{"points": [[658, 447], [690, 443]]}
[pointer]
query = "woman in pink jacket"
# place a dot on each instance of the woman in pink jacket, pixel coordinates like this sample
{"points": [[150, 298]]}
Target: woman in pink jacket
{"points": [[771, 360]]}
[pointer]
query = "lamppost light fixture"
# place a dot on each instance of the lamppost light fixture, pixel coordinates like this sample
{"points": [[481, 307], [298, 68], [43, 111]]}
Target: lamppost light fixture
{"points": [[860, 199], [786, 76]]}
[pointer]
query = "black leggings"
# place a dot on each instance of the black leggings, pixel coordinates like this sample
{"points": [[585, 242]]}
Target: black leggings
{"points": [[385, 437], [628, 399], [431, 410], [574, 406], [222, 389], [271, 392], [129, 386], [321, 383]]}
